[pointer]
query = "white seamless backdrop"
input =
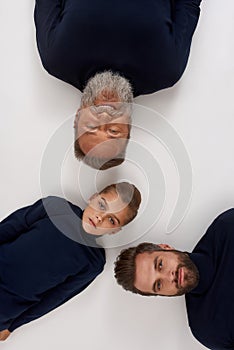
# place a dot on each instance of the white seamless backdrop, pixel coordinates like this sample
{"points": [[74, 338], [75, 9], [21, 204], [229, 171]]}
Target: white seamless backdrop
{"points": [[200, 108]]}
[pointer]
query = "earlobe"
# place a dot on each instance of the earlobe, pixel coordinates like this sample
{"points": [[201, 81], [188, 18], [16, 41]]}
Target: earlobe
{"points": [[75, 125], [166, 246], [115, 231]]}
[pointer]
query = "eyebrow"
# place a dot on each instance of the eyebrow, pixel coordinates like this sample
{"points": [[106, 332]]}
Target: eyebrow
{"points": [[107, 206], [154, 285]]}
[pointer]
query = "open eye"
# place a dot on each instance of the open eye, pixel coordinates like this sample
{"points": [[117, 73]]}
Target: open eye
{"points": [[160, 265], [159, 285], [101, 205], [112, 221]]}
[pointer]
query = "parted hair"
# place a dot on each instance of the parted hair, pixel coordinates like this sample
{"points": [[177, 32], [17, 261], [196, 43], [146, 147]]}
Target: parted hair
{"points": [[129, 194], [125, 266]]}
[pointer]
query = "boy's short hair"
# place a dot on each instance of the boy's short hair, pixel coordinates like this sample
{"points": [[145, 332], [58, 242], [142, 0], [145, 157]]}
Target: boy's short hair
{"points": [[129, 194]]}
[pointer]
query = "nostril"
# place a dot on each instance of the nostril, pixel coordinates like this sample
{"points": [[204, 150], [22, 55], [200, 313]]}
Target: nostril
{"points": [[99, 218]]}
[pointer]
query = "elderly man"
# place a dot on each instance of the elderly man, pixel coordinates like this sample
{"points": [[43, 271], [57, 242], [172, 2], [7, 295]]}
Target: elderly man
{"points": [[102, 124], [142, 45], [205, 275]]}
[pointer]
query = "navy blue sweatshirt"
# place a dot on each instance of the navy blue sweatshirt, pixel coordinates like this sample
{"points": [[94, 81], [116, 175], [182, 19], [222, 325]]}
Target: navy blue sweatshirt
{"points": [[147, 41], [210, 305], [45, 259]]}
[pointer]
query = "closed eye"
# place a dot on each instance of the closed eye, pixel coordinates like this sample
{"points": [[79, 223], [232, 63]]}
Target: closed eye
{"points": [[113, 132], [91, 127]]}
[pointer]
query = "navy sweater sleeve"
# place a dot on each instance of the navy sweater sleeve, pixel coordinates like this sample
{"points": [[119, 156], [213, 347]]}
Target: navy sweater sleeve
{"points": [[186, 15], [55, 297], [50, 14], [20, 221]]}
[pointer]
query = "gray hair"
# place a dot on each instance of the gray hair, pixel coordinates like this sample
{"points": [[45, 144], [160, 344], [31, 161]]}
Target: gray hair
{"points": [[107, 82]]}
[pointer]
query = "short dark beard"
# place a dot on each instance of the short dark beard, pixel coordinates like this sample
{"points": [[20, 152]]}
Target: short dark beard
{"points": [[191, 275]]}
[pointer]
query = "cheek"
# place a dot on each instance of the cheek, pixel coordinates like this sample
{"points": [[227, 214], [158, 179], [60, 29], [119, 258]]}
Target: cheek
{"points": [[85, 142], [88, 212], [170, 291], [103, 231], [115, 230], [106, 225]]}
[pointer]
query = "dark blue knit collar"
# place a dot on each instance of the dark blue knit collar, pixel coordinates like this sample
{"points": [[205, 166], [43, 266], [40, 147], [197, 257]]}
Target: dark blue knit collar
{"points": [[206, 272]]}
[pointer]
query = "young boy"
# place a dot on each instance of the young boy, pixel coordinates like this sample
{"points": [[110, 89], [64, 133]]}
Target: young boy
{"points": [[48, 251]]}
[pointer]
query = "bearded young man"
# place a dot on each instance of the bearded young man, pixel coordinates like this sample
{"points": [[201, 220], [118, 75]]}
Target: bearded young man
{"points": [[205, 276], [143, 45]]}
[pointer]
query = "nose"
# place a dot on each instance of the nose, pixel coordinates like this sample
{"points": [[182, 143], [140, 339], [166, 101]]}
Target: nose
{"points": [[99, 217], [170, 276]]}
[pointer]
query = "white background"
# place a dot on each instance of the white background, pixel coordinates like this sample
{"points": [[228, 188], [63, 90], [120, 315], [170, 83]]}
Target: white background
{"points": [[200, 108]]}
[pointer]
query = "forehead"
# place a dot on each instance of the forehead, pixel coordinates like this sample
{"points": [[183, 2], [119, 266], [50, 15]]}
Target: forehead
{"points": [[144, 271]]}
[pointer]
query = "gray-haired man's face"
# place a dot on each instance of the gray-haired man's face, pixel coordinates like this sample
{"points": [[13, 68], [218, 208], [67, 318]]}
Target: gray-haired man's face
{"points": [[103, 129]]}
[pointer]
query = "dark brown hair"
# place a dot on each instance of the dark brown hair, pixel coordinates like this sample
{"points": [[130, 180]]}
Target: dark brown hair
{"points": [[125, 267], [129, 194]]}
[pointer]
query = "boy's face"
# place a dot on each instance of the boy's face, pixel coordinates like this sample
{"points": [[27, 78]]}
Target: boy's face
{"points": [[106, 213]]}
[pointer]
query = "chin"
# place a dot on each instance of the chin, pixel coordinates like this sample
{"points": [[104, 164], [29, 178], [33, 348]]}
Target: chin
{"points": [[87, 228], [92, 230]]}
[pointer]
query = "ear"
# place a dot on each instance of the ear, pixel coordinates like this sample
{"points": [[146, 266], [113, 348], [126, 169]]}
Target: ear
{"points": [[115, 231], [166, 246], [75, 123]]}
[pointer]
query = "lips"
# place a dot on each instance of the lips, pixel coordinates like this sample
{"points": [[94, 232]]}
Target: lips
{"points": [[181, 276], [92, 223]]}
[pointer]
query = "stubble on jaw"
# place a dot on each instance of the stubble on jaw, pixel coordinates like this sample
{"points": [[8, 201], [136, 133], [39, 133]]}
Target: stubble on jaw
{"points": [[191, 274]]}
